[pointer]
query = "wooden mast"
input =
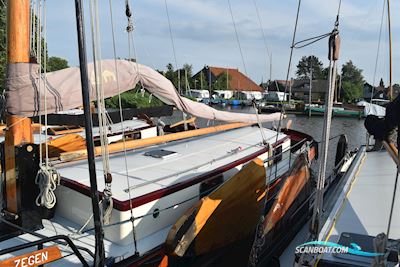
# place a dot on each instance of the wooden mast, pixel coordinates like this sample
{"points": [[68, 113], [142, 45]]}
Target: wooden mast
{"points": [[19, 129], [390, 52]]}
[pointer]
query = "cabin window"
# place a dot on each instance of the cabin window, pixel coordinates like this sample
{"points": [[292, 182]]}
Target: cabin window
{"points": [[208, 186], [277, 154]]}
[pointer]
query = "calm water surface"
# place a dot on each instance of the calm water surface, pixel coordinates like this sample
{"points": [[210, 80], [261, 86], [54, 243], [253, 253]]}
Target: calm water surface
{"points": [[352, 127]]}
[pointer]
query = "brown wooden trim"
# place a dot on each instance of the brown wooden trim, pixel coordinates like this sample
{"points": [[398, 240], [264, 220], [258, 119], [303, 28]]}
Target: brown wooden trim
{"points": [[133, 144]]}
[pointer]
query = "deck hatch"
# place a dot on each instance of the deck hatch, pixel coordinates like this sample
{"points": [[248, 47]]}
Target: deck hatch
{"points": [[160, 154]]}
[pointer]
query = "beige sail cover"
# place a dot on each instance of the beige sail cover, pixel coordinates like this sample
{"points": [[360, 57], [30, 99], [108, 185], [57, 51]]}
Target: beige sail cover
{"points": [[64, 90]]}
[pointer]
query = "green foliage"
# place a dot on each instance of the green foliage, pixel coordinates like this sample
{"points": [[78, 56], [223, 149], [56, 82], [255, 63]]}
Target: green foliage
{"points": [[221, 83], [352, 82], [56, 63], [3, 45], [351, 92], [306, 64], [182, 78], [134, 99], [202, 82], [53, 63]]}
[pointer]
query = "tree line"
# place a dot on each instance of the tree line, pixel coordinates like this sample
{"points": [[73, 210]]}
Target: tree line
{"points": [[183, 79], [52, 63], [352, 80]]}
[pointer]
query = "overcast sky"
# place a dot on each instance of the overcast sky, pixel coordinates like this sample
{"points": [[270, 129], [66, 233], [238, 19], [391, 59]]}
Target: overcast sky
{"points": [[204, 34]]}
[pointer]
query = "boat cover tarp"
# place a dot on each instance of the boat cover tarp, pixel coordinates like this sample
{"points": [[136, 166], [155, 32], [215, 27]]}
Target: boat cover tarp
{"points": [[372, 109], [64, 90]]}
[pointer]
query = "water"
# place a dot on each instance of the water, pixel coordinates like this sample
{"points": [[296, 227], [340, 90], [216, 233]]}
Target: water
{"points": [[352, 127]]}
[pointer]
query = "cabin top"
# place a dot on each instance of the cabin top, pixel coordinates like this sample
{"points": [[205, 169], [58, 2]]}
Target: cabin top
{"points": [[158, 167]]}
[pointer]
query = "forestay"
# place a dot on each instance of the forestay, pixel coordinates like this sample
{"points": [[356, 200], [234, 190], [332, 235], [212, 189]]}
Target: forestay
{"points": [[64, 90]]}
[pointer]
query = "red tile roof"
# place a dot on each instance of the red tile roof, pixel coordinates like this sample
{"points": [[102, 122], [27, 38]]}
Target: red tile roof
{"points": [[238, 81]]}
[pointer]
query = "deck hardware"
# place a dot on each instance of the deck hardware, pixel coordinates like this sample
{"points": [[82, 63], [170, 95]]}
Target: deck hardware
{"points": [[156, 213]]}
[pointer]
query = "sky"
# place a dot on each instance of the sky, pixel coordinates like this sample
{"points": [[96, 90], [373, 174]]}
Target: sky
{"points": [[203, 34]]}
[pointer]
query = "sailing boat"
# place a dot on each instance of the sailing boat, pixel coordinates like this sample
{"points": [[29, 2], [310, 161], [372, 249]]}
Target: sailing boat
{"points": [[166, 175], [361, 222]]}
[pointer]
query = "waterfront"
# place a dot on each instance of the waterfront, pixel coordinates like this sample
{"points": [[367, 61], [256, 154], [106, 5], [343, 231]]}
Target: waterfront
{"points": [[352, 127]]}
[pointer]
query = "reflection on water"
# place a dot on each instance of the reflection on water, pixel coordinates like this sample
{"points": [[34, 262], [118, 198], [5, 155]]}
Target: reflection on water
{"points": [[353, 128]]}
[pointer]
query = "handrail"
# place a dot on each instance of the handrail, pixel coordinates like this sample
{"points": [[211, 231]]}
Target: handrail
{"points": [[46, 240], [40, 235]]}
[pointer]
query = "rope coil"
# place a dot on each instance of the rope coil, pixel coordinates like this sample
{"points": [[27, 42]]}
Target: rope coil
{"points": [[47, 179]]}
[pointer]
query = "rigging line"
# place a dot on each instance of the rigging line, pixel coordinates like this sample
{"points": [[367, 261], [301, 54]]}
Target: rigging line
{"points": [[268, 59], [98, 78], [176, 61], [311, 40], [288, 69], [338, 13], [173, 205], [262, 30], [378, 50], [94, 23], [45, 81], [171, 36], [260, 237], [122, 123], [237, 37], [30, 25], [33, 34], [39, 61]]}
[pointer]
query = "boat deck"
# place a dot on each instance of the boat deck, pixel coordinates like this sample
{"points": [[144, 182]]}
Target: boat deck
{"points": [[362, 207], [189, 158], [145, 174], [366, 208]]}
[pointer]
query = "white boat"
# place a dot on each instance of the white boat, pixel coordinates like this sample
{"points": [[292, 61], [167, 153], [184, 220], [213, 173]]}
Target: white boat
{"points": [[150, 182]]}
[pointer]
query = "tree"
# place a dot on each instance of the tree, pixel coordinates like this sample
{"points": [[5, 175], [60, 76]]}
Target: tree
{"points": [[134, 99], [171, 75], [222, 82], [3, 44], [186, 72], [352, 82], [3, 50], [202, 81], [306, 64], [56, 63], [325, 73]]}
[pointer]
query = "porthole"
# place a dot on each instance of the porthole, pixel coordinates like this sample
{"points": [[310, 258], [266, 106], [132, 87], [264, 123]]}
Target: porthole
{"points": [[156, 213]]}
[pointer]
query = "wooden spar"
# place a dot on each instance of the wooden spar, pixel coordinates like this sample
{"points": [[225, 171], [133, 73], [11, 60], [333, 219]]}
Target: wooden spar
{"points": [[390, 52], [19, 129], [191, 120], [132, 144]]}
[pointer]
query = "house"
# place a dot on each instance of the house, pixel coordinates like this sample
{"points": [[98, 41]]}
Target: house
{"points": [[367, 91], [277, 85], [237, 81], [379, 92], [301, 90]]}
